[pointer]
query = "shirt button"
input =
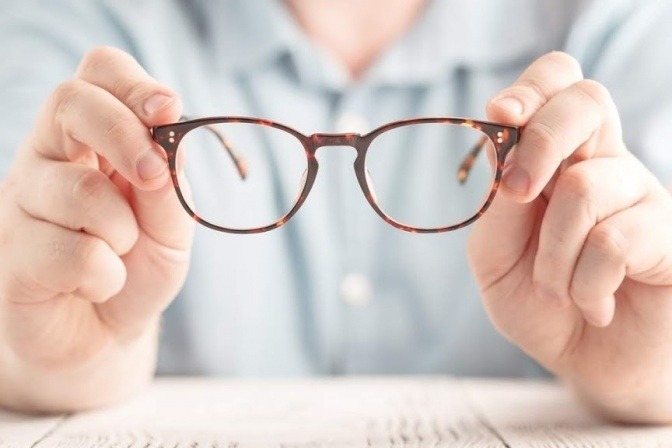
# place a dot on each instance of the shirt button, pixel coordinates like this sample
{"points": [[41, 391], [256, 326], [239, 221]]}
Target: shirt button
{"points": [[352, 123], [356, 289]]}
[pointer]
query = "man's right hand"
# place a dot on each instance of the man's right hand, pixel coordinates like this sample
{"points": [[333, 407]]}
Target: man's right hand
{"points": [[93, 242]]}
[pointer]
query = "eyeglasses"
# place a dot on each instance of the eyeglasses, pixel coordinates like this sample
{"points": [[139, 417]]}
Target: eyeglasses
{"points": [[248, 175]]}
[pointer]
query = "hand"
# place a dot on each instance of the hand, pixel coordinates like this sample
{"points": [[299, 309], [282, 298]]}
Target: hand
{"points": [[93, 242], [574, 257]]}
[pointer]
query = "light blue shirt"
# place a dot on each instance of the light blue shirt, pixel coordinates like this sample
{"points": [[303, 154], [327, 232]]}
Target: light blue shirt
{"points": [[277, 303]]}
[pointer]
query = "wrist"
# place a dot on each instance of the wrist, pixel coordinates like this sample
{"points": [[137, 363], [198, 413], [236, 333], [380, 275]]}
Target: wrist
{"points": [[115, 372], [641, 402]]}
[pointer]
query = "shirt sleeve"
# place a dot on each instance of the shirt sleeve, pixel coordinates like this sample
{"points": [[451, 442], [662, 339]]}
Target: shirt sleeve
{"points": [[625, 45], [41, 44]]}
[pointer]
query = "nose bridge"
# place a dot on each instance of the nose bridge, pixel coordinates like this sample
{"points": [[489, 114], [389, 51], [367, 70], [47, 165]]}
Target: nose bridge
{"points": [[347, 139]]}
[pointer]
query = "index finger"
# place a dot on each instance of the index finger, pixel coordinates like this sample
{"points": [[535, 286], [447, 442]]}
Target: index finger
{"points": [[81, 117], [121, 75], [547, 76], [581, 122]]}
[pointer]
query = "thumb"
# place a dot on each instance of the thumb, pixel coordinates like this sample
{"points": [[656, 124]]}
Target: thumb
{"points": [[157, 265], [500, 237], [154, 104], [158, 212]]}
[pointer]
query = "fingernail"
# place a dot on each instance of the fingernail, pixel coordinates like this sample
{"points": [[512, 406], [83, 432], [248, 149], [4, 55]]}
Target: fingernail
{"points": [[516, 179], [510, 104], [156, 103], [150, 165]]}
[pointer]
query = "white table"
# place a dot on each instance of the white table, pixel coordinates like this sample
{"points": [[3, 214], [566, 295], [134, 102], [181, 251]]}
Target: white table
{"points": [[358, 412]]}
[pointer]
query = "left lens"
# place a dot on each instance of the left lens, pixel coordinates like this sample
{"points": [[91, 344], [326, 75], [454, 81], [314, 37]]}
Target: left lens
{"points": [[417, 173], [257, 191]]}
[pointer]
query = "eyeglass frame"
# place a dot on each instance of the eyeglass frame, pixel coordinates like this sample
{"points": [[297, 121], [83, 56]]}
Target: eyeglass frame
{"points": [[503, 138]]}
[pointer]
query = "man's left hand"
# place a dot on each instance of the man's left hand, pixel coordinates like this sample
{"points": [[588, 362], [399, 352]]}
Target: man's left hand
{"points": [[574, 257]]}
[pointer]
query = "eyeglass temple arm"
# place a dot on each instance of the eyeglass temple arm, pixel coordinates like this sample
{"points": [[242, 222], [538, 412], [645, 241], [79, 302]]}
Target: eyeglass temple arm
{"points": [[468, 162], [237, 159]]}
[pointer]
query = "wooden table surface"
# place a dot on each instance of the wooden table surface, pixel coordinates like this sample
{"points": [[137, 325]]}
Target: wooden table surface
{"points": [[357, 412]]}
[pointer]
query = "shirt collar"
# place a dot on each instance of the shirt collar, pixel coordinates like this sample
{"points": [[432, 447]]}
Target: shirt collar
{"points": [[447, 35], [249, 33]]}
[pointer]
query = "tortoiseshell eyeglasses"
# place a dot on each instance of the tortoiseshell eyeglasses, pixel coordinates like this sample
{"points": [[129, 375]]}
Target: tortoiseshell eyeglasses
{"points": [[248, 175]]}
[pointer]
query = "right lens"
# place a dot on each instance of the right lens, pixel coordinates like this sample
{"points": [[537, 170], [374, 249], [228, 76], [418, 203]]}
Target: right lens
{"points": [[242, 176], [417, 173]]}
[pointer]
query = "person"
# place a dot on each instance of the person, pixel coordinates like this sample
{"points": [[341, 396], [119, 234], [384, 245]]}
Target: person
{"points": [[573, 260]]}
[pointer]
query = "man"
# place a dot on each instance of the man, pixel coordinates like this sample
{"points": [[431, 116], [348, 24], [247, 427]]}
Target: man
{"points": [[572, 260]]}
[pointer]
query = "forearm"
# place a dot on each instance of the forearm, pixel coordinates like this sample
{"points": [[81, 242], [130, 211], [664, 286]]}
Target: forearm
{"points": [[110, 375]]}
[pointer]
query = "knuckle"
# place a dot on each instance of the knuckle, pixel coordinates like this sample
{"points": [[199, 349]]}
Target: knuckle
{"points": [[89, 188], [595, 90], [536, 88], [55, 250], [130, 91], [95, 59], [576, 184], [578, 188], [118, 127], [87, 253], [596, 96], [65, 96], [542, 134], [608, 240], [566, 62]]}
